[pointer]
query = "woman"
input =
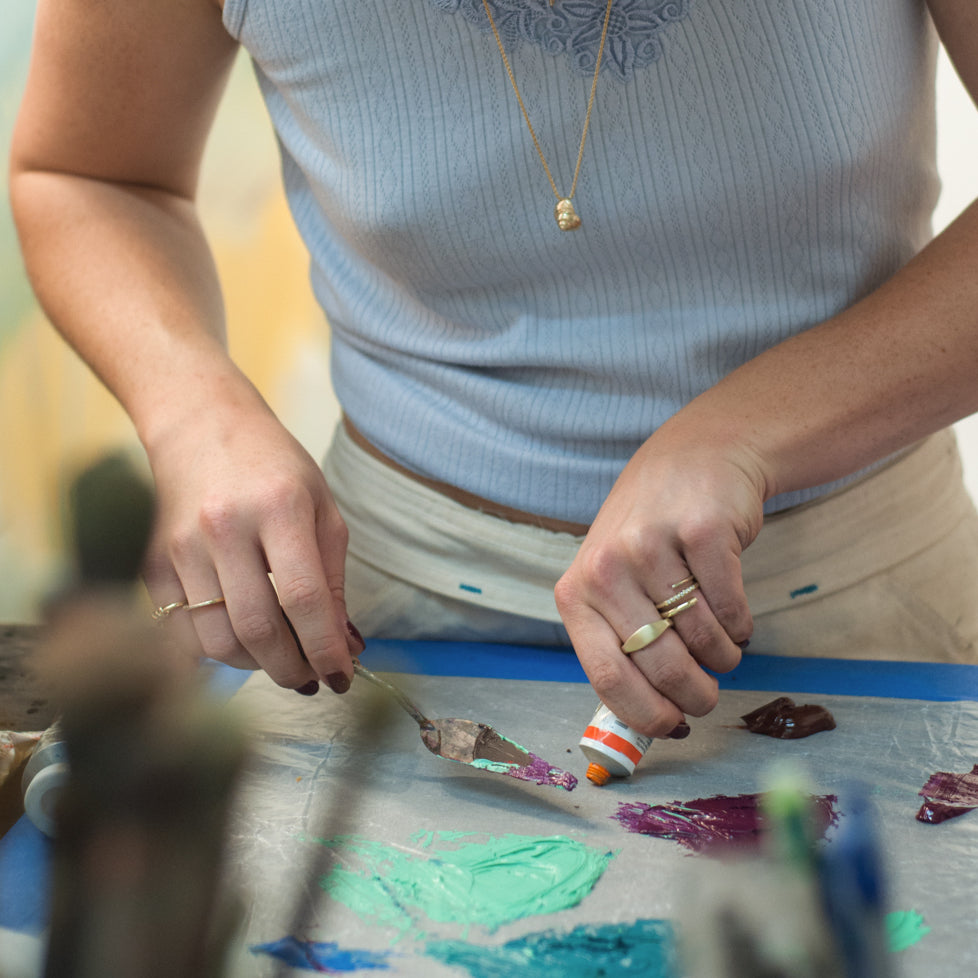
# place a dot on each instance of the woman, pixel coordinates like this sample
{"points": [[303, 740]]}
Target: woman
{"points": [[548, 426]]}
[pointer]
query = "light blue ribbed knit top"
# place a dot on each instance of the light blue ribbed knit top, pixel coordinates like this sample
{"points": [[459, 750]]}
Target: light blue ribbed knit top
{"points": [[752, 167]]}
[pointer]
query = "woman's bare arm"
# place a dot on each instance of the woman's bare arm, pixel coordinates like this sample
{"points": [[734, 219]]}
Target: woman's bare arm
{"points": [[120, 98]]}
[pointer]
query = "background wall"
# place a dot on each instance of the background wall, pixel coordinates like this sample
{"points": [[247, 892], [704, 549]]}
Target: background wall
{"points": [[54, 417]]}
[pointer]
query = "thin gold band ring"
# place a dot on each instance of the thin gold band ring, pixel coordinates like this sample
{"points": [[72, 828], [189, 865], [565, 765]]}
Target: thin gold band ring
{"points": [[672, 612], [164, 611]]}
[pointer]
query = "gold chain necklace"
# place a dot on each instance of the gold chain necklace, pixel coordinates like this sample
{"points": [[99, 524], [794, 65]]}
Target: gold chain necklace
{"points": [[567, 219]]}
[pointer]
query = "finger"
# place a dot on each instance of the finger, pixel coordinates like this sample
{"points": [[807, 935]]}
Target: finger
{"points": [[165, 590], [686, 604], [175, 614], [312, 597], [718, 569], [247, 631], [668, 666], [622, 605], [617, 680], [332, 537]]}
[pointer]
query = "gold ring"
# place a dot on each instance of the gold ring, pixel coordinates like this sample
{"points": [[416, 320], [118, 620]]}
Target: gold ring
{"points": [[678, 596], [685, 581], [205, 604], [672, 612], [646, 635], [165, 610]]}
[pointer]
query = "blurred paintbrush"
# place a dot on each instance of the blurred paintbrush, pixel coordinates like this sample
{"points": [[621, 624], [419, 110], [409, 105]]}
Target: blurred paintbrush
{"points": [[136, 888]]}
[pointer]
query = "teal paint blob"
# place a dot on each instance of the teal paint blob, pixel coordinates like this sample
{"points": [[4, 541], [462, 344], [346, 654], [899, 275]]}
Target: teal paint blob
{"points": [[645, 947], [489, 882], [904, 928]]}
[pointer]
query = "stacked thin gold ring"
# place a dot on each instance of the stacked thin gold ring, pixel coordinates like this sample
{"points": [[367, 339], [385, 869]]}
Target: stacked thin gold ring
{"points": [[643, 637], [671, 606], [164, 611]]}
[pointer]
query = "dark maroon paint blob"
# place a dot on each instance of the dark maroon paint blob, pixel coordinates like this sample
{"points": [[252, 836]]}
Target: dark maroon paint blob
{"points": [[720, 823], [948, 795], [783, 719]]}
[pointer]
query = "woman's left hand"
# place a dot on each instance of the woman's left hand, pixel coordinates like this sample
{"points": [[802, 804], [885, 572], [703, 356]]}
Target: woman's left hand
{"points": [[683, 507]]}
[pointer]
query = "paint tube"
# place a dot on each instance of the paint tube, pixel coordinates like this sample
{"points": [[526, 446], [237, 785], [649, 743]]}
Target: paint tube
{"points": [[45, 776], [611, 747]]}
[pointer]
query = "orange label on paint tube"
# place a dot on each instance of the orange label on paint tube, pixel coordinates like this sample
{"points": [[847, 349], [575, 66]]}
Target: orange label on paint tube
{"points": [[615, 742]]}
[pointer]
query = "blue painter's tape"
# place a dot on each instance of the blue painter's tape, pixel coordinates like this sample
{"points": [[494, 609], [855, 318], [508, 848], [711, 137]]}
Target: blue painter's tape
{"points": [[799, 591], [942, 682]]}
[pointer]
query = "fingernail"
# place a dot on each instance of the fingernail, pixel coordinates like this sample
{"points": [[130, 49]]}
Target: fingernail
{"points": [[679, 732], [355, 634], [744, 645], [309, 689], [338, 682]]}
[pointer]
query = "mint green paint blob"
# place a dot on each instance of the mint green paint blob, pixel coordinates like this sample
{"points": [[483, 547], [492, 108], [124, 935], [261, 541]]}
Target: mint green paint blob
{"points": [[425, 839], [646, 948], [904, 928], [490, 882], [497, 767]]}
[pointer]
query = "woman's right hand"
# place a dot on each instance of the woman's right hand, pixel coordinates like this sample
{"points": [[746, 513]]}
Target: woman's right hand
{"points": [[241, 504]]}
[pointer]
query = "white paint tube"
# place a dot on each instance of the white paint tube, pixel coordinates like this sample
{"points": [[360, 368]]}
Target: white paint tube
{"points": [[611, 747]]}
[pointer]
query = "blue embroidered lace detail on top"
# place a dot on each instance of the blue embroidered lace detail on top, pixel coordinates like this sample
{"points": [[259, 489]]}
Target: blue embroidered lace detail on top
{"points": [[573, 27]]}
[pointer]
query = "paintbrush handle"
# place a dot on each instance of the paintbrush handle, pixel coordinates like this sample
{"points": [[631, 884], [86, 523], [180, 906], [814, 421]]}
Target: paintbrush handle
{"points": [[403, 701]]}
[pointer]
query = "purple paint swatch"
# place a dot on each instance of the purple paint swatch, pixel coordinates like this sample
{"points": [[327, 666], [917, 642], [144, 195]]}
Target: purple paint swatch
{"points": [[783, 719], [540, 771], [948, 795], [720, 823]]}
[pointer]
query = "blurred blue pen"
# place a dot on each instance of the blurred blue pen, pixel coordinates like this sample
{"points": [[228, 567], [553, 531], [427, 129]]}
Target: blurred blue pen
{"points": [[851, 875]]}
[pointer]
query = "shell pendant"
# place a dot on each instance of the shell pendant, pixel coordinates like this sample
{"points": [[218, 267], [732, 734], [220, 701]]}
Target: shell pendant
{"points": [[567, 219]]}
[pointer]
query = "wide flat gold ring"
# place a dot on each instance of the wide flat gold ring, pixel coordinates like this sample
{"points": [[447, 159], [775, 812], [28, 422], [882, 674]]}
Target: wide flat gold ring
{"points": [[646, 635]]}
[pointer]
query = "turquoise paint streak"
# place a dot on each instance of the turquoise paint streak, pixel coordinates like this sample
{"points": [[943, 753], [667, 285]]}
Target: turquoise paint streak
{"points": [[645, 947], [904, 928]]}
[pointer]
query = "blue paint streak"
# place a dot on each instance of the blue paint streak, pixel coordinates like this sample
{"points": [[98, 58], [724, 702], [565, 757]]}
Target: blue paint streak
{"points": [[936, 681], [646, 948], [799, 591], [470, 587], [326, 957]]}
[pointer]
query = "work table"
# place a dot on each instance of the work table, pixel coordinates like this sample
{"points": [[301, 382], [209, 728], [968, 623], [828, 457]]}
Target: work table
{"points": [[23, 703]]}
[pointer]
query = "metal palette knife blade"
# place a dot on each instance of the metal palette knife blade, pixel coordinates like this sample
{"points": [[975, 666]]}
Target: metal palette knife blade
{"points": [[473, 743]]}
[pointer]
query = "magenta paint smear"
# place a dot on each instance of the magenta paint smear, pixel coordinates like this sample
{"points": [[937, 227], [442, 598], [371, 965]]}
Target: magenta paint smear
{"points": [[783, 719], [948, 795], [541, 772], [718, 824]]}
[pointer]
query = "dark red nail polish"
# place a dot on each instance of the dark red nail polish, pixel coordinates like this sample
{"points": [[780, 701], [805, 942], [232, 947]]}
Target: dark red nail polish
{"points": [[355, 634], [309, 689], [743, 645], [679, 732], [338, 682]]}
